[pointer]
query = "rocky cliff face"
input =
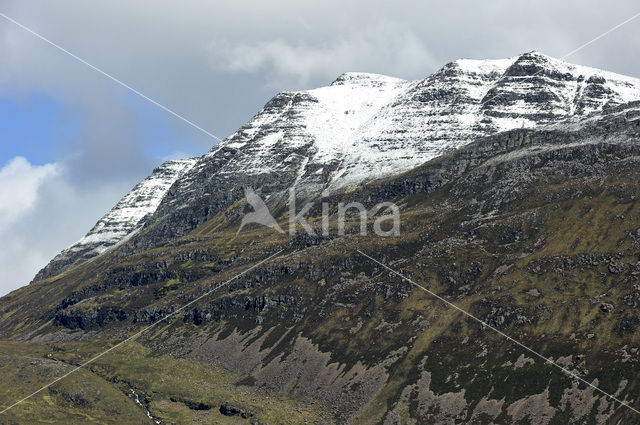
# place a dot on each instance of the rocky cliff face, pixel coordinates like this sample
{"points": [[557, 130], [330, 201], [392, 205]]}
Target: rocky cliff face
{"points": [[123, 221]]}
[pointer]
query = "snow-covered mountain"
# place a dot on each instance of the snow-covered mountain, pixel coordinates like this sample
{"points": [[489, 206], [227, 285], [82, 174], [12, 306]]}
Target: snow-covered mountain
{"points": [[361, 127], [125, 218], [376, 126]]}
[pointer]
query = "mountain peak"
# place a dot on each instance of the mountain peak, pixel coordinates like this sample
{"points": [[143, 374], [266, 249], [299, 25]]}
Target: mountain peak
{"points": [[481, 66], [364, 78], [485, 66]]}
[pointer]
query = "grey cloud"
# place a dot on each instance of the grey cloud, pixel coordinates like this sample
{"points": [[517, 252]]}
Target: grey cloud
{"points": [[384, 47]]}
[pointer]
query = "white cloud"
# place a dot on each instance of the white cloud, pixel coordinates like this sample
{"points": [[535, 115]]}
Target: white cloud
{"points": [[19, 185], [41, 212]]}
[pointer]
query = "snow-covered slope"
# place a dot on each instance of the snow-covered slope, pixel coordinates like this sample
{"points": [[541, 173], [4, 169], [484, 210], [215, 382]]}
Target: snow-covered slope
{"points": [[361, 127], [307, 131], [125, 218], [129, 213]]}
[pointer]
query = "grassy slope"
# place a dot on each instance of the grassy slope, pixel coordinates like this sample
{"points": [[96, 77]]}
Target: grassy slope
{"points": [[563, 320], [174, 390]]}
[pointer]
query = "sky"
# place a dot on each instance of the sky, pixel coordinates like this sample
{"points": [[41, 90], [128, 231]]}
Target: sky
{"points": [[72, 142]]}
